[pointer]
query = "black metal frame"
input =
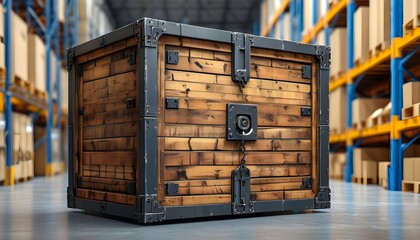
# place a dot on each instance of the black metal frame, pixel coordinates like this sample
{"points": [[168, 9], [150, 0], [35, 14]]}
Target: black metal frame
{"points": [[147, 208]]}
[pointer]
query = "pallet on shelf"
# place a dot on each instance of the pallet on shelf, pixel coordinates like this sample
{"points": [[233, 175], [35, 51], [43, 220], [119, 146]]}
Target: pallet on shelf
{"points": [[410, 186], [411, 111], [411, 15], [411, 93], [379, 26], [411, 171], [365, 164], [363, 108]]}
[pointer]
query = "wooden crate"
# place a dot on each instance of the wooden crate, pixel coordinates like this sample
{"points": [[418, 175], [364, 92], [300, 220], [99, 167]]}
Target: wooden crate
{"points": [[151, 123]]}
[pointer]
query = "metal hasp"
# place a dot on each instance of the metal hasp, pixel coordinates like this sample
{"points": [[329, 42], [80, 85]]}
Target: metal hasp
{"points": [[241, 122], [307, 72], [241, 191], [241, 57], [172, 57]]}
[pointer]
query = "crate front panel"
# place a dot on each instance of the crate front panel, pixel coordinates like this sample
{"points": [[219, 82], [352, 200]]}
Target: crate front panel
{"points": [[193, 150], [107, 126]]}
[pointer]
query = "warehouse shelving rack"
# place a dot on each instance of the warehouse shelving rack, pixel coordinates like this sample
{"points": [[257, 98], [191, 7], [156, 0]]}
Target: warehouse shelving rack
{"points": [[401, 50], [49, 27]]}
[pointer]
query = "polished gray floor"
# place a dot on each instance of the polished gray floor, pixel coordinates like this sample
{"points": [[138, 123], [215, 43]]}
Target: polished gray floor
{"points": [[37, 210]]}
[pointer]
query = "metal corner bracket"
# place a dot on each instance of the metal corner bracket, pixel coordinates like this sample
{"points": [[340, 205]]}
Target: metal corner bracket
{"points": [[70, 58], [152, 30], [71, 203], [324, 55], [323, 198], [150, 209]]}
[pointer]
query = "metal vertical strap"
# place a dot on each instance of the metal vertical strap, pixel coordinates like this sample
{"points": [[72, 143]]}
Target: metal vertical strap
{"points": [[351, 7], [10, 169], [396, 154]]}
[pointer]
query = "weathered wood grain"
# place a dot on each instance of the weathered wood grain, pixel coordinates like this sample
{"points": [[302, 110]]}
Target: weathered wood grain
{"points": [[127, 129], [115, 158], [106, 196], [105, 184], [110, 144]]}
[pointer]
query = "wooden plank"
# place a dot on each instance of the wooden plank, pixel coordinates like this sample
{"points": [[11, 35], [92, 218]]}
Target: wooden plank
{"points": [[95, 108], [96, 73], [274, 118], [121, 86], [201, 65], [121, 66], [116, 158], [182, 76], [106, 196], [103, 118], [276, 54], [205, 87], [190, 130], [234, 97], [221, 144], [128, 129], [105, 184], [196, 200], [107, 171], [217, 172], [110, 144], [288, 75], [299, 194], [264, 196], [196, 43], [186, 158]]}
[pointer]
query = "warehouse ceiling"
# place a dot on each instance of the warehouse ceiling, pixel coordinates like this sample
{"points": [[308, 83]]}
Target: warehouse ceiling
{"points": [[232, 15]]}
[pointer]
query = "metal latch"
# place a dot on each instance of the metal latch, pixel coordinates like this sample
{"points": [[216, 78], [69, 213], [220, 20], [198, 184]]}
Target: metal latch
{"points": [[306, 183], [241, 57], [241, 190], [306, 72], [131, 103], [241, 122], [172, 103]]}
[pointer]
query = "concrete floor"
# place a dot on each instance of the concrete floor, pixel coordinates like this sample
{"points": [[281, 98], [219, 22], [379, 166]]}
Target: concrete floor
{"points": [[37, 210]]}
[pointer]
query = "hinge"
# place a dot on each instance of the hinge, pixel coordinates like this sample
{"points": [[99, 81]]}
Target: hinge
{"points": [[152, 31], [306, 72], [323, 198], [305, 111], [132, 57], [171, 189], [324, 55], [81, 111], [70, 58], [306, 183], [149, 208], [131, 103], [172, 103], [241, 57], [172, 57], [80, 70], [131, 187], [79, 181]]}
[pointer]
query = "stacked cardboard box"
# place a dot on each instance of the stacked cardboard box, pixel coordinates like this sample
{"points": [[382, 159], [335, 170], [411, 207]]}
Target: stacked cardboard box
{"points": [[361, 35], [338, 43], [338, 100], [363, 108], [64, 90], [36, 62], [337, 165], [308, 8], [411, 15], [19, 40], [365, 164], [2, 49], [383, 174], [379, 25], [41, 152], [411, 100]]}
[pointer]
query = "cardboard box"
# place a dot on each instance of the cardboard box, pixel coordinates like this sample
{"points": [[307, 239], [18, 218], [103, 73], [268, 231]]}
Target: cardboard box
{"points": [[364, 107], [337, 165], [338, 43], [37, 62], [61, 8], [367, 154], [361, 35], [19, 47], [2, 164], [320, 38], [263, 15], [383, 24], [308, 6], [408, 168], [373, 24], [411, 94], [2, 56], [286, 26], [411, 12], [41, 152], [338, 101], [1, 21], [383, 173], [370, 171]]}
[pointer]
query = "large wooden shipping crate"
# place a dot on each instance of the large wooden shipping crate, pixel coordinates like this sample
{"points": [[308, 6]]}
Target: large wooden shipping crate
{"points": [[170, 121]]}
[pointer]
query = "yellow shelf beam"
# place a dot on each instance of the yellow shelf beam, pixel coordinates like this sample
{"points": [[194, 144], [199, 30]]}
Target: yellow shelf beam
{"points": [[337, 138], [408, 124], [325, 20], [276, 16]]}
